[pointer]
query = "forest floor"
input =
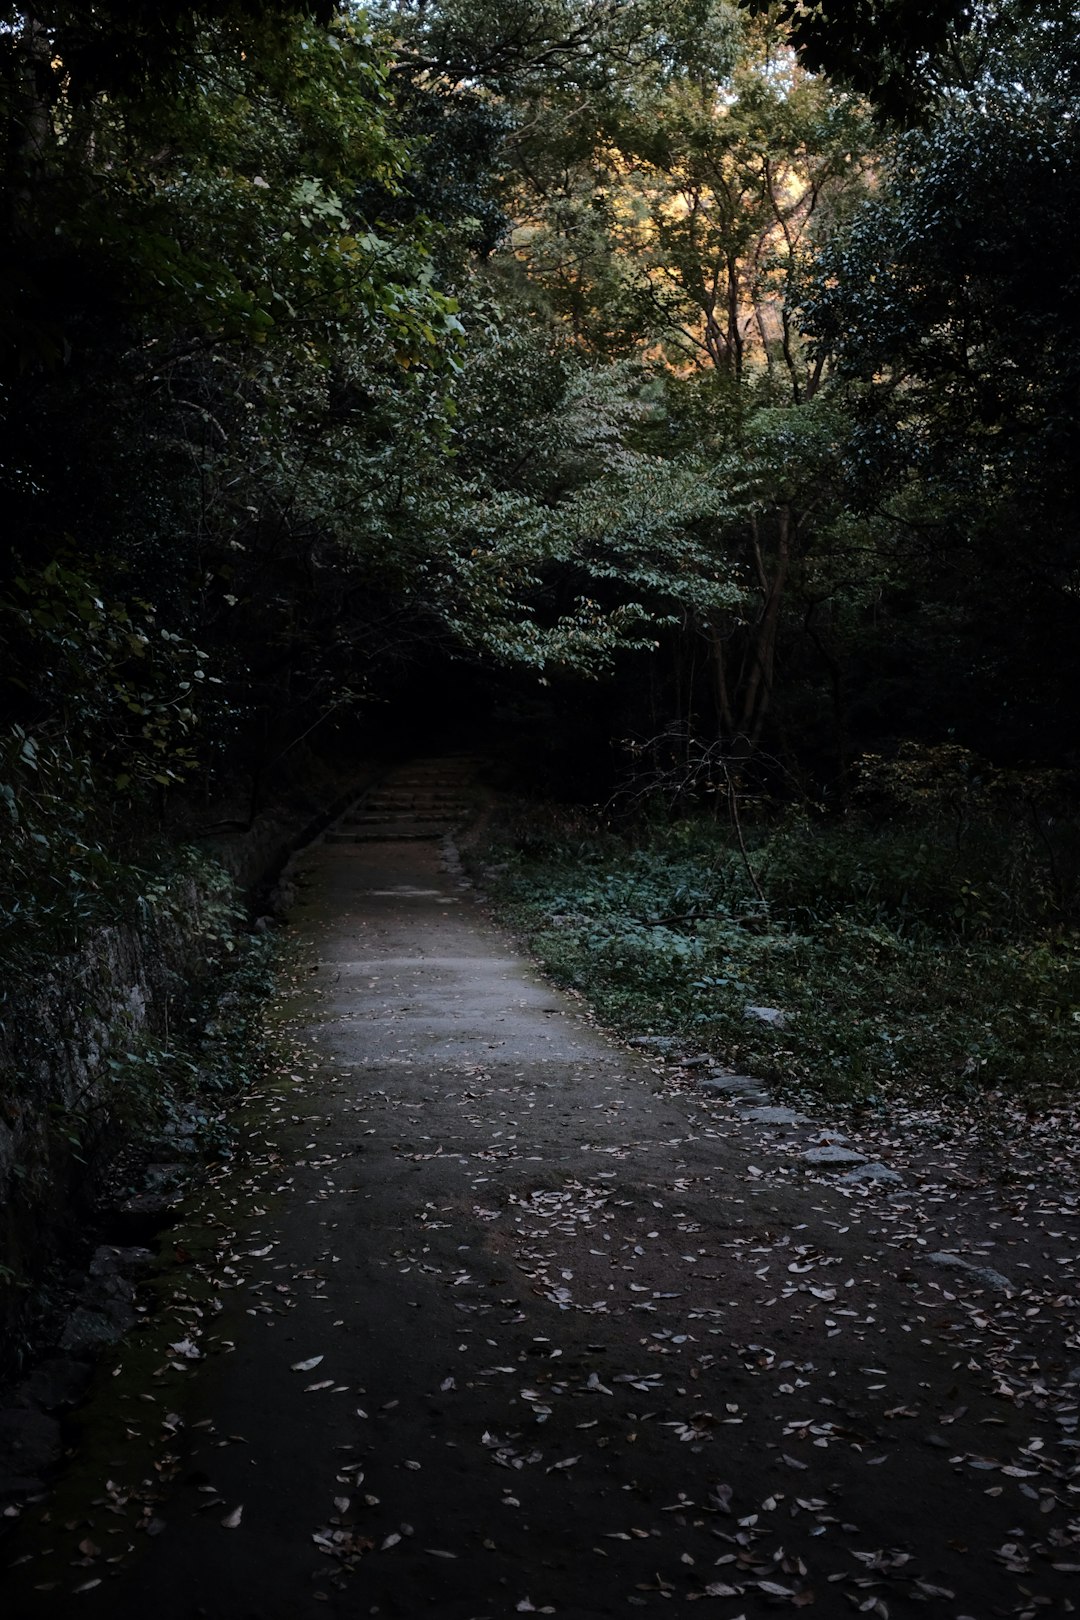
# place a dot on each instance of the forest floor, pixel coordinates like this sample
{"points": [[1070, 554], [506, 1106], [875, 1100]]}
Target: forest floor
{"points": [[492, 1315]]}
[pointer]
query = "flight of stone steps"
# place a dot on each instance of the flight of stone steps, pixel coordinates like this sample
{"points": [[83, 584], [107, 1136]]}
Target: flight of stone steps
{"points": [[426, 798]]}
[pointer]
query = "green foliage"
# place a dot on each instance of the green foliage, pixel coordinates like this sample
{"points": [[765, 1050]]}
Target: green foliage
{"points": [[58, 876], [947, 288], [180, 1088], [65, 872], [215, 1053], [566, 537], [101, 672], [679, 211], [907, 956], [947, 314], [86, 50], [897, 52], [220, 366]]}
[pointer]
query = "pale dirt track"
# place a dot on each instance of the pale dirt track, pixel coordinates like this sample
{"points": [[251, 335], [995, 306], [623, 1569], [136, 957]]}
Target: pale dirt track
{"points": [[577, 1356]]}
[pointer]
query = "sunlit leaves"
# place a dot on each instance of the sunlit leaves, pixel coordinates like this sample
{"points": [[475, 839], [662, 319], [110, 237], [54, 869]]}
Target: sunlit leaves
{"points": [[680, 210]]}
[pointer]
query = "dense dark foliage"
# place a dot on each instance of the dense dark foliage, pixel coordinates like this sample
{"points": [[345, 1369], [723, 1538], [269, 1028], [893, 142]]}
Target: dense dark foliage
{"points": [[609, 345]]}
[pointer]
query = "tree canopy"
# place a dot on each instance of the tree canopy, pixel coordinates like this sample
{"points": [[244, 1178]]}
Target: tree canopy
{"points": [[627, 344]]}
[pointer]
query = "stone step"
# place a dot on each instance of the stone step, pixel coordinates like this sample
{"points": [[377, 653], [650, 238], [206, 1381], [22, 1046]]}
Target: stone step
{"points": [[425, 778], [365, 818], [421, 802], [434, 784], [424, 800], [390, 833]]}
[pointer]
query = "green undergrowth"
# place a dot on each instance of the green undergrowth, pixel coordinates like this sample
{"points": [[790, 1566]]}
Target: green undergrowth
{"points": [[170, 1092], [180, 1093], [905, 957], [202, 971]]}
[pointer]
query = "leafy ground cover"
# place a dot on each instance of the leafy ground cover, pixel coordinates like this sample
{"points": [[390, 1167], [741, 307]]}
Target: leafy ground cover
{"points": [[864, 960]]}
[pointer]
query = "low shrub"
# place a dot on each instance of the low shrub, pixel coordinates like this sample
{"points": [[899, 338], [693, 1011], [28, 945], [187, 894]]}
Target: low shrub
{"points": [[903, 954]]}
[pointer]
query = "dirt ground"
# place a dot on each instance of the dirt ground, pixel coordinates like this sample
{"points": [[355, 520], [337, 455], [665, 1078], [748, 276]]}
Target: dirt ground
{"points": [[493, 1316]]}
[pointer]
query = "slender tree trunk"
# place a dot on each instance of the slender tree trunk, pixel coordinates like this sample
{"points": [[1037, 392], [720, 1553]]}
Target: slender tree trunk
{"points": [[721, 693], [759, 686], [734, 330], [839, 705]]}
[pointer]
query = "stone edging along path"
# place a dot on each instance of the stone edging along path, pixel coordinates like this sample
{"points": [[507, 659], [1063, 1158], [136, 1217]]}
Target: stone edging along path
{"points": [[496, 1317]]}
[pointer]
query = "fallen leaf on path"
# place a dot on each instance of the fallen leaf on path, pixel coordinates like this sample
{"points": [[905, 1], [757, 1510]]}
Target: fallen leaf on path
{"points": [[231, 1521], [306, 1366]]}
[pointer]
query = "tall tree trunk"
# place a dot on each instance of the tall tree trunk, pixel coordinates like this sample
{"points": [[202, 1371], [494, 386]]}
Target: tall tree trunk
{"points": [[721, 691], [839, 704], [757, 694]]}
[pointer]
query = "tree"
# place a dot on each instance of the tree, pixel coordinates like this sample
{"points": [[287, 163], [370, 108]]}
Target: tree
{"points": [[900, 54], [949, 312], [674, 218], [213, 342]]}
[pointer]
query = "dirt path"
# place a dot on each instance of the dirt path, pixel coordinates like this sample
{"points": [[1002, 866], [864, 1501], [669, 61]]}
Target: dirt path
{"points": [[497, 1320]]}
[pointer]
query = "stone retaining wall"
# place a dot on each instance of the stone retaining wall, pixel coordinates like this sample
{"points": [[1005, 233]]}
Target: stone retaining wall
{"points": [[60, 1099], [58, 1095]]}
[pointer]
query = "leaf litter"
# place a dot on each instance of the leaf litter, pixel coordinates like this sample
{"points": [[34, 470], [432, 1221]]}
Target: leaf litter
{"points": [[802, 1377]]}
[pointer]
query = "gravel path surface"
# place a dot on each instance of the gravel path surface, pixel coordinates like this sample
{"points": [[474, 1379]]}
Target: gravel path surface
{"points": [[497, 1317]]}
